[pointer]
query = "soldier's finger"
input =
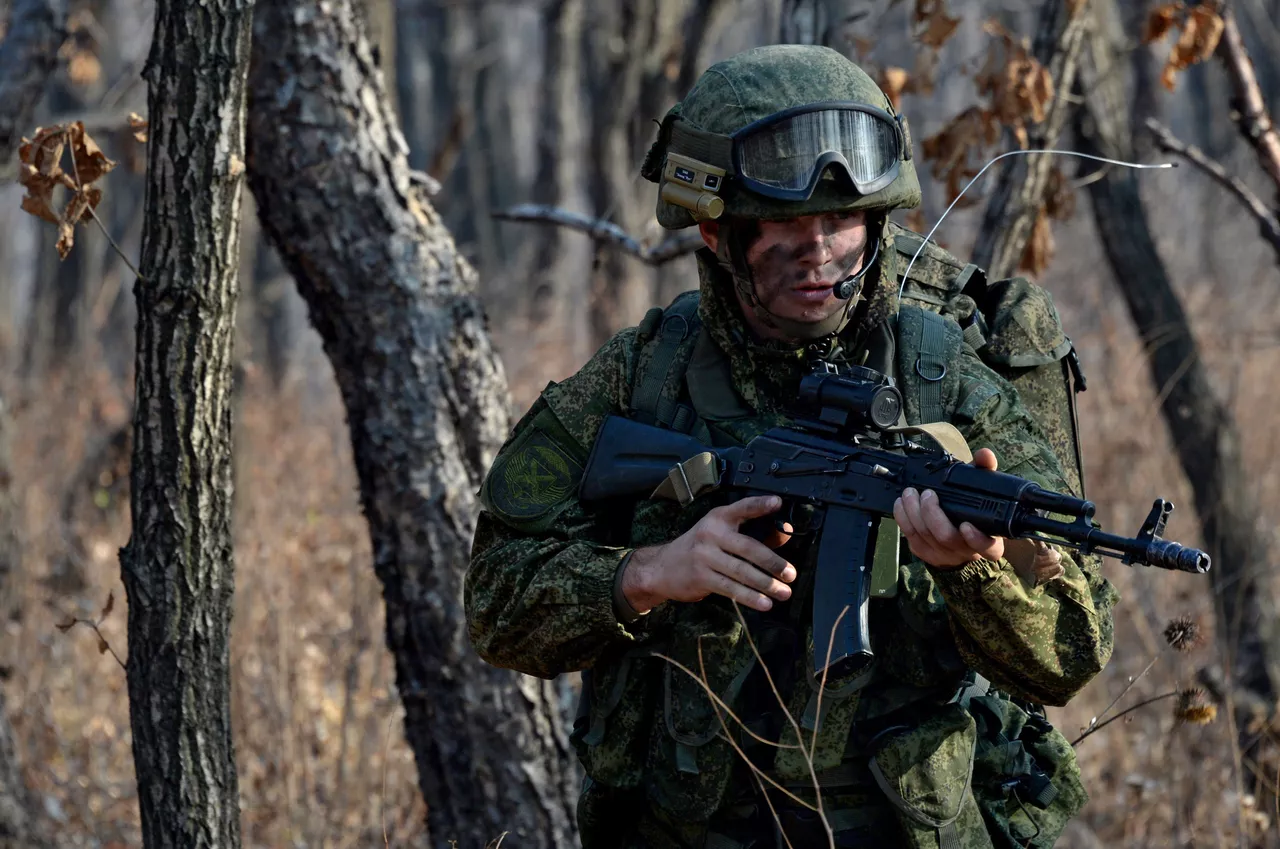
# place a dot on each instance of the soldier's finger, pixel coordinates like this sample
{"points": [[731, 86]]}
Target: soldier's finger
{"points": [[916, 528], [903, 516], [985, 458], [989, 547], [749, 508], [943, 533], [729, 588], [748, 575], [756, 552]]}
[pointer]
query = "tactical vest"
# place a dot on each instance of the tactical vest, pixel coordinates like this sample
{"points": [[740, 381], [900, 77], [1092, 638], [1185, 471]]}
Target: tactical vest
{"points": [[1012, 325], [1026, 770]]}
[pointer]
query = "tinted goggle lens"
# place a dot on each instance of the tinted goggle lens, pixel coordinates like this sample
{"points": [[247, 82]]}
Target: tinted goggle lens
{"points": [[788, 153]]}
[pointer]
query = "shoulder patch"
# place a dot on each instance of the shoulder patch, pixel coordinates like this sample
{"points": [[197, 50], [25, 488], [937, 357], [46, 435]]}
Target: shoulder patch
{"points": [[532, 478]]}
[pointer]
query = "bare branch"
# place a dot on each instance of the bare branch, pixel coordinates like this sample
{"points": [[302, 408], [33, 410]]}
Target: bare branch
{"points": [[1253, 119], [605, 231], [1267, 220]]}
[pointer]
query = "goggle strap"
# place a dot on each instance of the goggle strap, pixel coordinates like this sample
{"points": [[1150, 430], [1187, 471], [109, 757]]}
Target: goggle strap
{"points": [[711, 148]]}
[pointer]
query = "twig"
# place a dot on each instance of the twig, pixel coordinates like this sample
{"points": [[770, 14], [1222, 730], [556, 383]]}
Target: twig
{"points": [[101, 226], [605, 231], [1254, 121], [734, 743], [764, 667], [1103, 725], [1093, 723], [1267, 220]]}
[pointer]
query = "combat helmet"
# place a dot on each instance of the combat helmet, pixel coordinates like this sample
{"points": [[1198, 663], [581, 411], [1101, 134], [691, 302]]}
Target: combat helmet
{"points": [[778, 132]]}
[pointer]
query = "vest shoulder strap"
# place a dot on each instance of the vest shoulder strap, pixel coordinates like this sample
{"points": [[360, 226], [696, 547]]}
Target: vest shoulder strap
{"points": [[667, 339]]}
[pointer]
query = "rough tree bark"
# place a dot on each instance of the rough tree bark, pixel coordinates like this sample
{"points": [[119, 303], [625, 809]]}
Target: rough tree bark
{"points": [[1203, 429], [427, 409], [1015, 203], [177, 567]]}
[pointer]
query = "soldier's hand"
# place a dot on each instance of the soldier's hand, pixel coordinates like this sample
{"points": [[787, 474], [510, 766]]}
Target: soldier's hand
{"points": [[931, 535], [713, 556]]}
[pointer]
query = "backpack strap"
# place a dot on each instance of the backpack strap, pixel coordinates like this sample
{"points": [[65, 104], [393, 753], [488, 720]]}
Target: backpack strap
{"points": [[927, 342], [670, 336]]}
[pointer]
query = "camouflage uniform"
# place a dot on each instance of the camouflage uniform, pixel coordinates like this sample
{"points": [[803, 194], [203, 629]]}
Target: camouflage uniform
{"points": [[665, 767]]}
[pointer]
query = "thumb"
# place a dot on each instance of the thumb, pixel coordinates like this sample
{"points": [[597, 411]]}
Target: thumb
{"points": [[985, 458]]}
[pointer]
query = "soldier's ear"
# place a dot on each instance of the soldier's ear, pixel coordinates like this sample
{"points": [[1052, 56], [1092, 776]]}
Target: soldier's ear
{"points": [[710, 231]]}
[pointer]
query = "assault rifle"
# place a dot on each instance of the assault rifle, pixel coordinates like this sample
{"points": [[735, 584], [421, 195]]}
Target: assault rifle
{"points": [[839, 468]]}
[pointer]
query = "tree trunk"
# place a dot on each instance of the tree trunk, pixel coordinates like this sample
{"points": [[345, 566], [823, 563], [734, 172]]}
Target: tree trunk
{"points": [[426, 405], [1203, 429], [17, 829], [1013, 207], [177, 567], [28, 55]]}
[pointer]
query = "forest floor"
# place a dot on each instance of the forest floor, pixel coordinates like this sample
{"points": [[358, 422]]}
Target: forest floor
{"points": [[318, 736]]}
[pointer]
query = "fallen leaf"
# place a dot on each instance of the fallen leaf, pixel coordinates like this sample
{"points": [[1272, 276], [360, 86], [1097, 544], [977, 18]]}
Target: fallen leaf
{"points": [[103, 648], [106, 608]]}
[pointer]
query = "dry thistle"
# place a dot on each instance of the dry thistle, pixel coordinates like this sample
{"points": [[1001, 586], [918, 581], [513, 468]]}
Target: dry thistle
{"points": [[1194, 708], [1184, 634]]}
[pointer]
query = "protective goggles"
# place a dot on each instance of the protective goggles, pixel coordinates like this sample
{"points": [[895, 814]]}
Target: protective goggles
{"points": [[784, 155]]}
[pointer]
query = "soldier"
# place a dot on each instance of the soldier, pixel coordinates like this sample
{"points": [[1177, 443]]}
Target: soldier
{"points": [[789, 159]]}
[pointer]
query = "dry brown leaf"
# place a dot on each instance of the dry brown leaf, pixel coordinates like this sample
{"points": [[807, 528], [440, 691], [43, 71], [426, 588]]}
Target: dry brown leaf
{"points": [[938, 26], [893, 81], [107, 608], [1160, 21], [955, 148], [41, 172], [83, 68], [88, 159], [1059, 196], [922, 76], [103, 648], [139, 126], [1201, 31], [1039, 249]]}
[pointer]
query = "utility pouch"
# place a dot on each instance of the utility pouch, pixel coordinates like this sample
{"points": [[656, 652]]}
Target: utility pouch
{"points": [[1025, 775], [924, 771], [690, 758], [615, 714]]}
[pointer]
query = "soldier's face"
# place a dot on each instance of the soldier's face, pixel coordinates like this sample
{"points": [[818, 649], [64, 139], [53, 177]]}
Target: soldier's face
{"points": [[796, 263]]}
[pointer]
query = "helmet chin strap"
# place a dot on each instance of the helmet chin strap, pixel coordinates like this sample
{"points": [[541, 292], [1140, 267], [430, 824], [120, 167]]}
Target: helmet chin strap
{"points": [[732, 255]]}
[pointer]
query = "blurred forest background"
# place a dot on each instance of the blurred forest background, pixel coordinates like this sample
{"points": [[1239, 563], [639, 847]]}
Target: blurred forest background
{"points": [[552, 102]]}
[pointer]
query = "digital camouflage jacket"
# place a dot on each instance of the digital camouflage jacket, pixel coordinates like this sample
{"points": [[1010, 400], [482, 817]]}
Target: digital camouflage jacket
{"points": [[912, 749]]}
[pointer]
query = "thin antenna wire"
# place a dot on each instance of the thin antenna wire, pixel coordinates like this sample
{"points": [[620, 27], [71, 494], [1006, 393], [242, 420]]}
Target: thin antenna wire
{"points": [[977, 176]]}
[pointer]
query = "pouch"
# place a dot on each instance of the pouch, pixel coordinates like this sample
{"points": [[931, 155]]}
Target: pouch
{"points": [[925, 773]]}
